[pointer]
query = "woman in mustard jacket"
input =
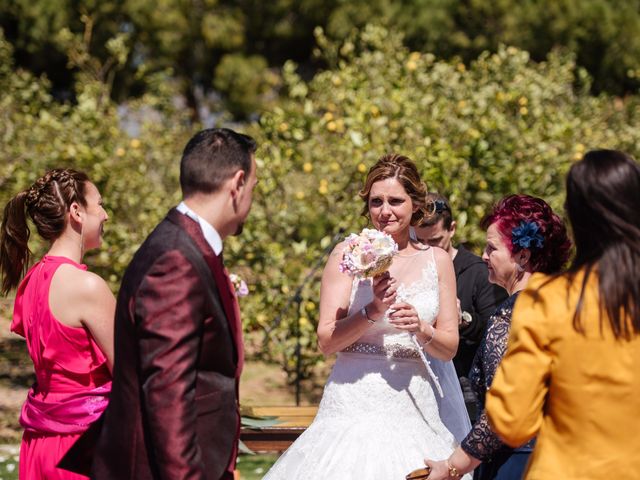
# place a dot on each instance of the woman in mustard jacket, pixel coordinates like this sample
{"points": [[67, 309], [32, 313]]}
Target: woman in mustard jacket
{"points": [[571, 374], [524, 236]]}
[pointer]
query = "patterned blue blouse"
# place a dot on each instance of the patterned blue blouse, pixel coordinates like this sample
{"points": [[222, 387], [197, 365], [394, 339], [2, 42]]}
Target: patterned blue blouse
{"points": [[481, 442]]}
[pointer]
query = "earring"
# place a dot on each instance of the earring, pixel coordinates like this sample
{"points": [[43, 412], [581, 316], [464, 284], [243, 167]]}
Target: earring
{"points": [[81, 241]]}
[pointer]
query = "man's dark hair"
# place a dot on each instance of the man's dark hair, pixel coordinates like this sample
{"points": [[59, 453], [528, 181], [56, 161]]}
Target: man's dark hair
{"points": [[211, 157], [438, 208]]}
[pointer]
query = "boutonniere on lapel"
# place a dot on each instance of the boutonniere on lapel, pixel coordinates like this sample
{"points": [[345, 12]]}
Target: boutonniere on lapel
{"points": [[239, 285], [465, 319]]}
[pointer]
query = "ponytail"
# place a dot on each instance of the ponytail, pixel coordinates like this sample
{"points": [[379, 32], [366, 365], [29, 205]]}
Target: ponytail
{"points": [[47, 203], [14, 246]]}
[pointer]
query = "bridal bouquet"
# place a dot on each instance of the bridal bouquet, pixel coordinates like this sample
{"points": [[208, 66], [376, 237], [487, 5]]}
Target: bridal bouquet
{"points": [[368, 253]]}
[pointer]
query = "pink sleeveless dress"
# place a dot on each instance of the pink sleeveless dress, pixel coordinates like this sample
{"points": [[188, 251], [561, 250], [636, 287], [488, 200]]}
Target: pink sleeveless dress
{"points": [[72, 378]]}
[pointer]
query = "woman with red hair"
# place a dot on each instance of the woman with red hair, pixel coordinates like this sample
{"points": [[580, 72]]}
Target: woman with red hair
{"points": [[524, 236], [570, 375]]}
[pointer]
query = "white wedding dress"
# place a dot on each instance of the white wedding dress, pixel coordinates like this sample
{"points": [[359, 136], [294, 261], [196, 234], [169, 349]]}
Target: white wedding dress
{"points": [[379, 414]]}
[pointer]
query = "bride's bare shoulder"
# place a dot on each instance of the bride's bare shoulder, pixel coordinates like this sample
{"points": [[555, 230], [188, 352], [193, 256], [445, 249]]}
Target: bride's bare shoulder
{"points": [[440, 255], [338, 250]]}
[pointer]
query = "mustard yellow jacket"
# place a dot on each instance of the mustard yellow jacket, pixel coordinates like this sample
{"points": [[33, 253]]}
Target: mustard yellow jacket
{"points": [[580, 394]]}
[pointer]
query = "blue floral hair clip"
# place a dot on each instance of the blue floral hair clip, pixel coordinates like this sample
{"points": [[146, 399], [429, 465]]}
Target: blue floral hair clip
{"points": [[527, 235]]}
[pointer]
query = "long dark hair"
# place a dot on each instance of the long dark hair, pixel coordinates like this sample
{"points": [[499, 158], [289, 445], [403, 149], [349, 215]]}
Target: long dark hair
{"points": [[47, 202], [603, 206]]}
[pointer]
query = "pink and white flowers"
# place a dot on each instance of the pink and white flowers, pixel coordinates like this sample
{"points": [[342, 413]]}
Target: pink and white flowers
{"points": [[239, 285], [368, 253]]}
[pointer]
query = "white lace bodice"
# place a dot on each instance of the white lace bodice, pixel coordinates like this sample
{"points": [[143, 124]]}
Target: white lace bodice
{"points": [[422, 294]]}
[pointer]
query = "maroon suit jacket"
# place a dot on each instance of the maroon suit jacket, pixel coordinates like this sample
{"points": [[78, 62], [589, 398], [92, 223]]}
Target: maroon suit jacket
{"points": [[173, 411]]}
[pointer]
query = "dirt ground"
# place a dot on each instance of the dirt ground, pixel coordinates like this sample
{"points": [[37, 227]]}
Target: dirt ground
{"points": [[261, 383]]}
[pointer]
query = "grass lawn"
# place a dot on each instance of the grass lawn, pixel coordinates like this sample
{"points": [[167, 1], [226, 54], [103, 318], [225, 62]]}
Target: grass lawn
{"points": [[251, 467], [9, 462]]}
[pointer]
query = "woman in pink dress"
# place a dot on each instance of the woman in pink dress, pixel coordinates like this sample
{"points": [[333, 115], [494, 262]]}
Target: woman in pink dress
{"points": [[64, 312]]}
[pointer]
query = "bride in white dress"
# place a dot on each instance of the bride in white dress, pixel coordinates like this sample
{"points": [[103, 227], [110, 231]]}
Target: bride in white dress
{"points": [[379, 416]]}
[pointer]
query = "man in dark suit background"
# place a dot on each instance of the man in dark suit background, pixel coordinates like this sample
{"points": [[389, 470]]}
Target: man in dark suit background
{"points": [[173, 411]]}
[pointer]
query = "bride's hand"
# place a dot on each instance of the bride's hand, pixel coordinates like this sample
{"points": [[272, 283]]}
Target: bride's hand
{"points": [[439, 469], [405, 317], [384, 293]]}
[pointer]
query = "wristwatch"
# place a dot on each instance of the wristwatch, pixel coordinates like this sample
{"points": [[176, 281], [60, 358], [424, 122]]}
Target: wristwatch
{"points": [[453, 471]]}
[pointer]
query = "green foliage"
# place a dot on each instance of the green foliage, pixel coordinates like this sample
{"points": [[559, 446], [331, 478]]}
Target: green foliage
{"points": [[253, 467], [600, 33], [207, 42], [501, 125], [243, 81], [136, 175], [204, 43]]}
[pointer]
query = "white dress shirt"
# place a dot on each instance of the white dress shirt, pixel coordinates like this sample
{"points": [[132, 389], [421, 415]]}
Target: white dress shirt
{"points": [[210, 234]]}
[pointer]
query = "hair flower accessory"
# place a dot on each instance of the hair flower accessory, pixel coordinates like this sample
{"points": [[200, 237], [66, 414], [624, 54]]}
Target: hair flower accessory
{"points": [[527, 235], [368, 253], [239, 285]]}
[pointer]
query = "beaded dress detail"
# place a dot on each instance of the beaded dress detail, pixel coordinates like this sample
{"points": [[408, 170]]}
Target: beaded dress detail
{"points": [[378, 418]]}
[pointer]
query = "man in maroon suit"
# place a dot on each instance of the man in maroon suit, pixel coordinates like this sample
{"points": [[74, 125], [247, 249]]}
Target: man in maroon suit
{"points": [[173, 411]]}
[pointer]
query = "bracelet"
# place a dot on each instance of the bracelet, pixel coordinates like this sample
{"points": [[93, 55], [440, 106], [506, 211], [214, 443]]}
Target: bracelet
{"points": [[366, 315], [433, 335], [453, 471]]}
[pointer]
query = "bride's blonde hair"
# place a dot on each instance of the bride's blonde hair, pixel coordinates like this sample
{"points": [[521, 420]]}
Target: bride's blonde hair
{"points": [[402, 168]]}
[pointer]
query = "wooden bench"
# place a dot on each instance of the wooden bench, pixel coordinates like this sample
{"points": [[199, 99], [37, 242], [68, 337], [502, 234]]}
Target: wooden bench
{"points": [[277, 438]]}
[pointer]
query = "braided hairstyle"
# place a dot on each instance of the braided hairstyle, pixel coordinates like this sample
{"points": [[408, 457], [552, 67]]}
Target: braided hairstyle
{"points": [[47, 202]]}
